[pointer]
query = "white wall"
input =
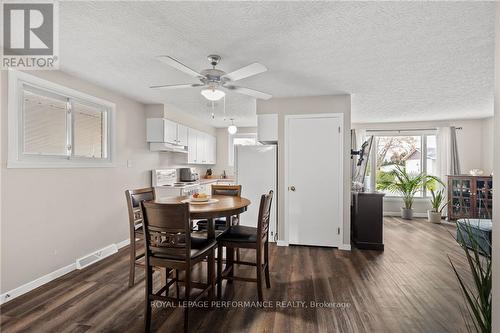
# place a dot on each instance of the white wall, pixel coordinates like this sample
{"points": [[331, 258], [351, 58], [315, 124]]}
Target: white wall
{"points": [[51, 217], [496, 198], [305, 105], [475, 148]]}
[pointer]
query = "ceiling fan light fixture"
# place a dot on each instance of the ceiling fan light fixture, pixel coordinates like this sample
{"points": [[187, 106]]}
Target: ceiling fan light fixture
{"points": [[232, 129], [213, 94]]}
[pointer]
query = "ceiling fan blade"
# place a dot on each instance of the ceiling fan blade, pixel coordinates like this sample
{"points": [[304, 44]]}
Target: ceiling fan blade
{"points": [[249, 92], [179, 65], [177, 86], [244, 72]]}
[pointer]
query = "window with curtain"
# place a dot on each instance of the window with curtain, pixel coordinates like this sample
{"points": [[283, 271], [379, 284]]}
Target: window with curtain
{"points": [[416, 151]]}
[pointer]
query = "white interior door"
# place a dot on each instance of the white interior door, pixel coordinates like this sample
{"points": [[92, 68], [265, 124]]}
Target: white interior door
{"points": [[313, 162]]}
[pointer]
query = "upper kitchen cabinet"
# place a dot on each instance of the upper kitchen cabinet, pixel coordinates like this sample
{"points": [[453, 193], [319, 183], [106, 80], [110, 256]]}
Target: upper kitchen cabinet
{"points": [[182, 135], [166, 131], [267, 128], [201, 147]]}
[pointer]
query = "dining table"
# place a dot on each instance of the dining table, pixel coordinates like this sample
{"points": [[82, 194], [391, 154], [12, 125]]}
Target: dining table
{"points": [[217, 206]]}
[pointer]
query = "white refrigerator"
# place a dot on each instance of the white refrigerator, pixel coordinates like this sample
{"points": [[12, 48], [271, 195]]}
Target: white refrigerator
{"points": [[256, 172]]}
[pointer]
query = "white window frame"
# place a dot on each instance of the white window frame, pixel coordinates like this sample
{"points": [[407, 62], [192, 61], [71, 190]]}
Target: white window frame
{"points": [[231, 138], [16, 159], [423, 133]]}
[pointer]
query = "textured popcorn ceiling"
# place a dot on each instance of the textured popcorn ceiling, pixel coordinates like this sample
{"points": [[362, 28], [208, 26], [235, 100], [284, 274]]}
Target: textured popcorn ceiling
{"points": [[408, 61]]}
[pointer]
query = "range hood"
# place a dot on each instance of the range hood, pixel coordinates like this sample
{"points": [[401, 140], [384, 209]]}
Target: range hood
{"points": [[164, 146]]}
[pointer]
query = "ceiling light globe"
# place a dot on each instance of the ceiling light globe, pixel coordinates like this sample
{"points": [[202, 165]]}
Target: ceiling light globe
{"points": [[213, 94], [232, 129]]}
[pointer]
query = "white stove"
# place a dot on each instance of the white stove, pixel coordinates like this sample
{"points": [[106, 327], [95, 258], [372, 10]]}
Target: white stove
{"points": [[166, 184]]}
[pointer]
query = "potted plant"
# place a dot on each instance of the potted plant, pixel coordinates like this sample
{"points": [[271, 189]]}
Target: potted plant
{"points": [[407, 185], [437, 202]]}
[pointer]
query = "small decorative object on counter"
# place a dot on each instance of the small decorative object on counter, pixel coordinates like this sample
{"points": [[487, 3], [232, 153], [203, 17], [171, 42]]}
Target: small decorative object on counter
{"points": [[208, 174], [224, 176]]}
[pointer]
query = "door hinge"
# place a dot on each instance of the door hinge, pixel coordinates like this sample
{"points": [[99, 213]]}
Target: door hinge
{"points": [[338, 231], [340, 130]]}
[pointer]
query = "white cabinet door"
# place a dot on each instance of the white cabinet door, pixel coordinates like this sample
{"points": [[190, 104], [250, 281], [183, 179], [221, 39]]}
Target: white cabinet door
{"points": [[267, 128], [182, 135], [314, 183], [201, 148], [192, 146], [211, 149], [170, 129]]}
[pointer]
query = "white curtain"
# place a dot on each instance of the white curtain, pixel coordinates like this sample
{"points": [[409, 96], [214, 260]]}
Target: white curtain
{"points": [[447, 157], [443, 152]]}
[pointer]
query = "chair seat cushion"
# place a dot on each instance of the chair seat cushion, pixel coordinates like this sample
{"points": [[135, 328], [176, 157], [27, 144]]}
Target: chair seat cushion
{"points": [[199, 246], [240, 233]]}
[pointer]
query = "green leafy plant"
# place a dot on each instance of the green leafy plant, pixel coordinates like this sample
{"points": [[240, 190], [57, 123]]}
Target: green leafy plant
{"points": [[477, 295], [438, 196], [405, 183]]}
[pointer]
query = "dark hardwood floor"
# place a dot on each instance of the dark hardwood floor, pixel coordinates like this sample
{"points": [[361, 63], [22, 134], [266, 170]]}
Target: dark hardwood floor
{"points": [[408, 288]]}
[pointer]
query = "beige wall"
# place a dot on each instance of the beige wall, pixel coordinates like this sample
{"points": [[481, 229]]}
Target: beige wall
{"points": [[496, 205], [51, 217], [310, 105], [223, 150]]}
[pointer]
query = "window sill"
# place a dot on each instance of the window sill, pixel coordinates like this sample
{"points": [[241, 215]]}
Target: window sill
{"points": [[57, 165], [392, 198]]}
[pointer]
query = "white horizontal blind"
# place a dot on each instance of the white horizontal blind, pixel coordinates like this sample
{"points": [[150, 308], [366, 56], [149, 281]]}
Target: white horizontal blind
{"points": [[60, 126], [89, 127], [44, 123]]}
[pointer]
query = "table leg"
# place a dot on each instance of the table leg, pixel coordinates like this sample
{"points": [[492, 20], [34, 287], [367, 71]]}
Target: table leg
{"points": [[211, 228]]}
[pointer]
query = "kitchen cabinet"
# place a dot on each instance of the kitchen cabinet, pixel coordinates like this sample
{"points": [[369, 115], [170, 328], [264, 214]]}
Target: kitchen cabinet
{"points": [[182, 135], [267, 128], [166, 131], [192, 146], [201, 148]]}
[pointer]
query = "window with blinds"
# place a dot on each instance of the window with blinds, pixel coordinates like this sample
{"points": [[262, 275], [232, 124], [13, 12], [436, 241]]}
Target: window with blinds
{"points": [[59, 126]]}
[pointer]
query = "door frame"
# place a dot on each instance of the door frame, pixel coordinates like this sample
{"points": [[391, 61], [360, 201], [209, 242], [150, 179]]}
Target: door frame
{"points": [[339, 116]]}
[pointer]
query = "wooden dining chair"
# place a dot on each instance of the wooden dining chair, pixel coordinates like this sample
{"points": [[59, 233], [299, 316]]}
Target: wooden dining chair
{"points": [[169, 244], [237, 237], [221, 223], [134, 199]]}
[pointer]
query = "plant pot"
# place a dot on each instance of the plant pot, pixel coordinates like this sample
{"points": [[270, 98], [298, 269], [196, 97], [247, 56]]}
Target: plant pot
{"points": [[434, 217], [406, 213]]}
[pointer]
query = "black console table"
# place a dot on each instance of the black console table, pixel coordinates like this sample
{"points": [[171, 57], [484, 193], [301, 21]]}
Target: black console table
{"points": [[367, 220]]}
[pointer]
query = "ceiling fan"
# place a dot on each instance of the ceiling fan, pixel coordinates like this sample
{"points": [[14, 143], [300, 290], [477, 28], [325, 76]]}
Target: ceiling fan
{"points": [[214, 79]]}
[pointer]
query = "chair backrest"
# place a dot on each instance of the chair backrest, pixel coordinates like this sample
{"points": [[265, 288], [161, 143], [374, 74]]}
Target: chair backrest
{"points": [[167, 230], [264, 215], [230, 190], [134, 199]]}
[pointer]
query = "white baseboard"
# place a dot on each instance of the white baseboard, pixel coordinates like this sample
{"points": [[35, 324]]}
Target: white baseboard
{"points": [[345, 247], [123, 243], [282, 243], [16, 292], [11, 294], [398, 214]]}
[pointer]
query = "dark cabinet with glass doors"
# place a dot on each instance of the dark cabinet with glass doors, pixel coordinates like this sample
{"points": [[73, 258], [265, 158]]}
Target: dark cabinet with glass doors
{"points": [[470, 197]]}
